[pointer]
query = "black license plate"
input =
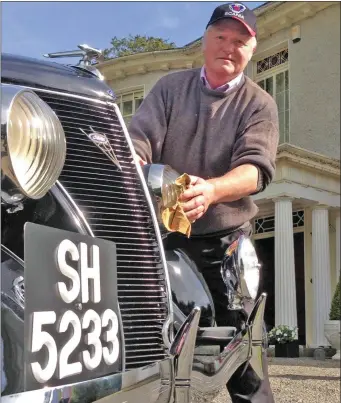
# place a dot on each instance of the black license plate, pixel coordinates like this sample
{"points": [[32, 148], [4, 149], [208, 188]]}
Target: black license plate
{"points": [[73, 328]]}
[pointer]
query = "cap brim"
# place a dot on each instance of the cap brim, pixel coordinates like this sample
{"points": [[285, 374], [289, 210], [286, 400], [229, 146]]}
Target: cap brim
{"points": [[251, 31]]}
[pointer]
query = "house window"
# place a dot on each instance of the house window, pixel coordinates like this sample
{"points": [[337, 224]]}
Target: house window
{"points": [[267, 224], [129, 102], [273, 76], [272, 61], [298, 218]]}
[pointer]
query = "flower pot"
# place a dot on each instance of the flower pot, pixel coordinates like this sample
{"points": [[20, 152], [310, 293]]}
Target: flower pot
{"points": [[287, 350], [332, 333]]}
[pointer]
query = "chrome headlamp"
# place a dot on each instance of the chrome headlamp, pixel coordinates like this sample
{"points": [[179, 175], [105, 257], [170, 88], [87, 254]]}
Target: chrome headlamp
{"points": [[33, 145], [240, 272], [160, 180]]}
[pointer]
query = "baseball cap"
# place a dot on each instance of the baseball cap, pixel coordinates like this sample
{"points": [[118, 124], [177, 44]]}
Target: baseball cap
{"points": [[237, 11]]}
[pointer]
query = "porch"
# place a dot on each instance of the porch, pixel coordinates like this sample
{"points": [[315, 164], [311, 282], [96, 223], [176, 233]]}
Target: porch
{"points": [[297, 238]]}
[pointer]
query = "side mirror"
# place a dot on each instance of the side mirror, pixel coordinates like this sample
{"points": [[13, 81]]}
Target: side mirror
{"points": [[240, 273]]}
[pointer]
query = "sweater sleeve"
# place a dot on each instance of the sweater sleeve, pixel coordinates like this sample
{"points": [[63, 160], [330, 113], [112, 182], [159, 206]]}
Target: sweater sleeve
{"points": [[257, 144], [148, 126]]}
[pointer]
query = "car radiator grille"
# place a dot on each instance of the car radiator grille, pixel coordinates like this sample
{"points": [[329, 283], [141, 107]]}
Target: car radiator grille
{"points": [[114, 205]]}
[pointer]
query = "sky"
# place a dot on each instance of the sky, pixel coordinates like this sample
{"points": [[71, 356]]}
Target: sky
{"points": [[34, 28]]}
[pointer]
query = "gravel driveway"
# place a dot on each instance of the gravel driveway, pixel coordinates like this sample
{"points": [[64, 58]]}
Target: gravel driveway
{"points": [[302, 380]]}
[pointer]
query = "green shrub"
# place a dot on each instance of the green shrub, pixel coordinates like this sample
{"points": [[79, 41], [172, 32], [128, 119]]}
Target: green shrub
{"points": [[335, 310], [282, 334]]}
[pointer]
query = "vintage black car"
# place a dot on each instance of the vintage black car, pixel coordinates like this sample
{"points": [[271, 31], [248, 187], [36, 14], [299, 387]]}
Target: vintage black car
{"points": [[92, 305]]}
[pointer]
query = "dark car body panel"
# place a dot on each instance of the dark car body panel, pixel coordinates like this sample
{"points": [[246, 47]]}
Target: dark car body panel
{"points": [[52, 76]]}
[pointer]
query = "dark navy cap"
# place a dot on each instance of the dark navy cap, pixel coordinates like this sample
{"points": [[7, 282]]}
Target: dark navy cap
{"points": [[237, 11]]}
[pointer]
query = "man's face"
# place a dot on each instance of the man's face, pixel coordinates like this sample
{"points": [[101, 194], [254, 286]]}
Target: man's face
{"points": [[228, 47]]}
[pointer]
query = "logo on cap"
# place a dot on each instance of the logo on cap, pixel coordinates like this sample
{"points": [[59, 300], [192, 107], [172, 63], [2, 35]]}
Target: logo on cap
{"points": [[237, 8]]}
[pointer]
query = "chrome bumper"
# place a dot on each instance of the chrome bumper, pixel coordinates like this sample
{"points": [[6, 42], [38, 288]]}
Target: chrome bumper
{"points": [[170, 380]]}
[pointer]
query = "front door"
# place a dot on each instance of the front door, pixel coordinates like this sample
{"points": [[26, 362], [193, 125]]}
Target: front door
{"points": [[300, 288], [265, 249]]}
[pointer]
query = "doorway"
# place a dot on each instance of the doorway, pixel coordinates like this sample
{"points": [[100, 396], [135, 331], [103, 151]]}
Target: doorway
{"points": [[265, 249]]}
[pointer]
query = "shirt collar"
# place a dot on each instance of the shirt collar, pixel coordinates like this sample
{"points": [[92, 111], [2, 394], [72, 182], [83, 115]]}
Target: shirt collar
{"points": [[223, 88]]}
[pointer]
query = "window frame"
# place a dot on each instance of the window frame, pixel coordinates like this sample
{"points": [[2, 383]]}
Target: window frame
{"points": [[129, 91], [273, 72], [269, 234]]}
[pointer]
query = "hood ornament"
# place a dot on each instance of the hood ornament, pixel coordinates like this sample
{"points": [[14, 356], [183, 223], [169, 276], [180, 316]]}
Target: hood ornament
{"points": [[89, 57], [102, 142]]}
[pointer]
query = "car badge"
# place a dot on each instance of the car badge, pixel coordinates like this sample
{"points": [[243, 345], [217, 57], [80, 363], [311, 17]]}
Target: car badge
{"points": [[237, 8], [111, 94], [102, 142]]}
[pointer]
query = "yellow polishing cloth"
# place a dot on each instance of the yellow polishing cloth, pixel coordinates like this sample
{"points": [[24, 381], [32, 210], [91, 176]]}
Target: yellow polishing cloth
{"points": [[173, 215]]}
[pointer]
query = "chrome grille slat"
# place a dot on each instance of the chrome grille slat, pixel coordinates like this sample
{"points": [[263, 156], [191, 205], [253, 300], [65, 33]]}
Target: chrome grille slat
{"points": [[79, 141], [133, 303], [110, 219], [75, 146], [122, 238], [100, 185], [114, 205], [137, 350], [142, 267], [105, 180], [134, 316], [132, 291], [144, 345], [140, 250], [79, 121], [145, 355], [76, 135], [145, 339], [153, 297], [147, 362], [116, 197], [118, 143], [104, 115], [116, 213], [139, 279], [137, 309], [137, 321], [129, 327], [72, 102], [96, 159], [106, 163], [98, 174], [138, 335], [137, 261], [100, 158], [67, 164], [103, 201]]}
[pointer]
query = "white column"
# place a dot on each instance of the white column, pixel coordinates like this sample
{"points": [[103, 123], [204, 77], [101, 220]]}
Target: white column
{"points": [[320, 273], [285, 283], [337, 246]]}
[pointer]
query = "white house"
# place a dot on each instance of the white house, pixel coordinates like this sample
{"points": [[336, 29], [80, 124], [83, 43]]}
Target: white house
{"points": [[297, 229]]}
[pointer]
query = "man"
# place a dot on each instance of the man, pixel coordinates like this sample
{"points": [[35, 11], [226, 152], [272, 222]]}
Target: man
{"points": [[222, 129]]}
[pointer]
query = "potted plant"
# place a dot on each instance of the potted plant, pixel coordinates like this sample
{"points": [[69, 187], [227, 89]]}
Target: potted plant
{"points": [[332, 326], [285, 340]]}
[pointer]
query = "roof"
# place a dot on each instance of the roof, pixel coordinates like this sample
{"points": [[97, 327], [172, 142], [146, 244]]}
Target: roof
{"points": [[263, 12]]}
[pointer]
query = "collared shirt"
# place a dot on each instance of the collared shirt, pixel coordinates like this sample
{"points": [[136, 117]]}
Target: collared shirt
{"points": [[223, 88]]}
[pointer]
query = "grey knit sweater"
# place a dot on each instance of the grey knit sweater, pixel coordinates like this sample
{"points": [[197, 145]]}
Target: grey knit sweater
{"points": [[207, 133]]}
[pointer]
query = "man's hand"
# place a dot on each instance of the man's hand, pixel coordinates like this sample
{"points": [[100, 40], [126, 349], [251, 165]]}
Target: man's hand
{"points": [[197, 198]]}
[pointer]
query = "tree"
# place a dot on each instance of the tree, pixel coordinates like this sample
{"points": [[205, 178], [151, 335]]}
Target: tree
{"points": [[335, 310], [136, 44]]}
